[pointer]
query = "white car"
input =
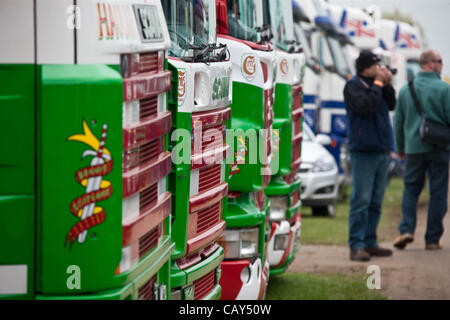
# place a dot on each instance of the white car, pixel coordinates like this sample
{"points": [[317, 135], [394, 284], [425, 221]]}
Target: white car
{"points": [[319, 174]]}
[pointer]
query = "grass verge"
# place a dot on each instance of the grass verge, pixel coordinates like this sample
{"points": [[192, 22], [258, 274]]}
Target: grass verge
{"points": [[302, 286], [334, 231]]}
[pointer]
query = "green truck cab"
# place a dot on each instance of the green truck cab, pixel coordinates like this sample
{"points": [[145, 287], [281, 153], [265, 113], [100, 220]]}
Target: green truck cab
{"points": [[242, 26], [199, 101], [84, 200], [284, 188]]}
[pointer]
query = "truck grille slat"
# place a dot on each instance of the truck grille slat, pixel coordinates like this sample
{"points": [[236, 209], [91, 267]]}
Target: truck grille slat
{"points": [[148, 197], [209, 177], [146, 291], [295, 197], [148, 62], [297, 94], [148, 241], [296, 151], [149, 151], [209, 138], [208, 217], [204, 285], [297, 126], [148, 107], [260, 199]]}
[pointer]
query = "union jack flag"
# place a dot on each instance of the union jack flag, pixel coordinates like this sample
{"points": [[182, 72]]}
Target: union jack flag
{"points": [[405, 40], [354, 27]]}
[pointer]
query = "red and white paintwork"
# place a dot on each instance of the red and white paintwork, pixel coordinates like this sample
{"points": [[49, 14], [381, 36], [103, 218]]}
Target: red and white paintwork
{"points": [[276, 256], [233, 287]]}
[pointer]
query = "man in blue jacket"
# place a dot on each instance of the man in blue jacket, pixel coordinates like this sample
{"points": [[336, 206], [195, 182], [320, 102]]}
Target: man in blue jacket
{"points": [[368, 98]]}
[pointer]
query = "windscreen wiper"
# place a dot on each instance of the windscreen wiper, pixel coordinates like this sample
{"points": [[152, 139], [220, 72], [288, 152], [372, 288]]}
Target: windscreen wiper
{"points": [[200, 52], [222, 55], [265, 37], [203, 53]]}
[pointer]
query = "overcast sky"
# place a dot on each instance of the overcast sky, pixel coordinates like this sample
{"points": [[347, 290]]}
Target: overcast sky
{"points": [[433, 15]]}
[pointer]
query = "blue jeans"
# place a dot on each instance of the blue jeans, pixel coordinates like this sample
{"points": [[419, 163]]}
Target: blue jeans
{"points": [[436, 165], [369, 172]]}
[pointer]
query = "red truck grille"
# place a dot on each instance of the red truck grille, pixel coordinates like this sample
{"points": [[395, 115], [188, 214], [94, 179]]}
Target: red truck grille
{"points": [[148, 241], [208, 217], [209, 177], [295, 197], [148, 197], [296, 150], [260, 199], [210, 135], [146, 291], [148, 62], [148, 107], [290, 178], [297, 126], [143, 154], [297, 94], [268, 103], [149, 151], [268, 119], [204, 285]]}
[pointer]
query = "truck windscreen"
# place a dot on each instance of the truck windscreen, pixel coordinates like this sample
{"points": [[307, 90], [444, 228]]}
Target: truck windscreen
{"points": [[282, 23], [339, 58], [301, 38], [242, 19], [188, 25]]}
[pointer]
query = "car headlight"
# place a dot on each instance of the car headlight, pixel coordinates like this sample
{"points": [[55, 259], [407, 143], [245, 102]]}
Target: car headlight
{"points": [[322, 165], [278, 208], [240, 243]]}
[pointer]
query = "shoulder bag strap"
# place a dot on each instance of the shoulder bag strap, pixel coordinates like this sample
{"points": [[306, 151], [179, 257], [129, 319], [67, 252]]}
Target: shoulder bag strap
{"points": [[414, 96]]}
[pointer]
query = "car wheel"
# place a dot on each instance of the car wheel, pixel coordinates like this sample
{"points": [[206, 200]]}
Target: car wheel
{"points": [[325, 211]]}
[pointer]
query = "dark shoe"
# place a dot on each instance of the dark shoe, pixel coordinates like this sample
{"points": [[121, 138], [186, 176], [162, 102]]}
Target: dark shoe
{"points": [[433, 246], [402, 240], [359, 255], [379, 252]]}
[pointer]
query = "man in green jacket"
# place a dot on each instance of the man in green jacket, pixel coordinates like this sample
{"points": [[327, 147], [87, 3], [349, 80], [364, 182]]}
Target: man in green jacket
{"points": [[434, 97]]}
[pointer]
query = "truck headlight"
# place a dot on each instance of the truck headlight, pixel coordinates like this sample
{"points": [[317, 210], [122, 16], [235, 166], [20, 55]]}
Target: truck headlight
{"points": [[278, 208], [240, 243], [175, 294], [281, 242], [325, 164]]}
